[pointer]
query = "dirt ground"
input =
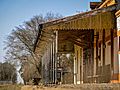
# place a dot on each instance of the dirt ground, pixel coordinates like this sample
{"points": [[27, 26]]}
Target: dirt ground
{"points": [[44, 88], [10, 87], [63, 87], [76, 87]]}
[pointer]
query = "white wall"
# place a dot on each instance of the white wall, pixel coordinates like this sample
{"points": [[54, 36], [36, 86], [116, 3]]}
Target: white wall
{"points": [[118, 28], [78, 62], [118, 23], [107, 53], [116, 61]]}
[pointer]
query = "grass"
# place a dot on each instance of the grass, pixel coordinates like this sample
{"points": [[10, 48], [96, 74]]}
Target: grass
{"points": [[10, 87]]}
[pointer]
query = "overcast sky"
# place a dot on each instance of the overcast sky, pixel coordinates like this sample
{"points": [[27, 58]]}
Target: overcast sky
{"points": [[15, 12]]}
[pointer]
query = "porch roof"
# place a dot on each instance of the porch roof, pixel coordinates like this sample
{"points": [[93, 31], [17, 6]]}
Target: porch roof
{"points": [[98, 19], [103, 18]]}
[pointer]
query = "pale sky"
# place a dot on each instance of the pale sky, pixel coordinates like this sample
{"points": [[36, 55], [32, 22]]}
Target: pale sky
{"points": [[15, 12]]}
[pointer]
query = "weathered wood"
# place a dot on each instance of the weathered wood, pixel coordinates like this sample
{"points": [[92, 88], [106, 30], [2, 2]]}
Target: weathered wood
{"points": [[112, 52], [92, 54], [56, 52], [67, 20], [103, 47], [97, 38], [87, 22], [81, 66], [53, 61]]}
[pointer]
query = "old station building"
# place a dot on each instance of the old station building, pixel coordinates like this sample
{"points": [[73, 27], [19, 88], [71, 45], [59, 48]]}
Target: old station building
{"points": [[90, 38]]}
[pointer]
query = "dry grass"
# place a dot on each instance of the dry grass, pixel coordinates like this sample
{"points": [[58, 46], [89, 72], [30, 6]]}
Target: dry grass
{"points": [[103, 86], [10, 87]]}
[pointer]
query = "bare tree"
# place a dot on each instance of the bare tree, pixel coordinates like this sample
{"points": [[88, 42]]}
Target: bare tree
{"points": [[20, 43], [8, 72]]}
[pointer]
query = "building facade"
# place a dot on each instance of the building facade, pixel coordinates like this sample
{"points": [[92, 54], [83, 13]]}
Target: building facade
{"points": [[91, 38]]}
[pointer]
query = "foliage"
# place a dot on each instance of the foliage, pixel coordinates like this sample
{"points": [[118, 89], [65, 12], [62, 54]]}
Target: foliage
{"points": [[8, 72], [20, 44], [28, 72], [10, 87], [67, 62]]}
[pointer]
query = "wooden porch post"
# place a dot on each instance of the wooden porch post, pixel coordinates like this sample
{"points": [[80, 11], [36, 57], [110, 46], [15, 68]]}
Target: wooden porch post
{"points": [[92, 54], [97, 38], [81, 65], [112, 53], [56, 52], [53, 53], [75, 77], [103, 56], [51, 61], [103, 41]]}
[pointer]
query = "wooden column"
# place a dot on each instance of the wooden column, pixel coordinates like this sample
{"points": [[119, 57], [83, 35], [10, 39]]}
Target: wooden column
{"points": [[53, 53], [56, 52], [92, 54], [112, 52], [99, 59], [75, 77], [103, 47], [97, 45], [103, 56], [51, 62], [82, 65]]}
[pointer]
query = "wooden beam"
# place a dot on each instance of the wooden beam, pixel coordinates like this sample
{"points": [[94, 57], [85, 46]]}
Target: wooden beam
{"points": [[78, 42], [73, 33], [81, 40]]}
